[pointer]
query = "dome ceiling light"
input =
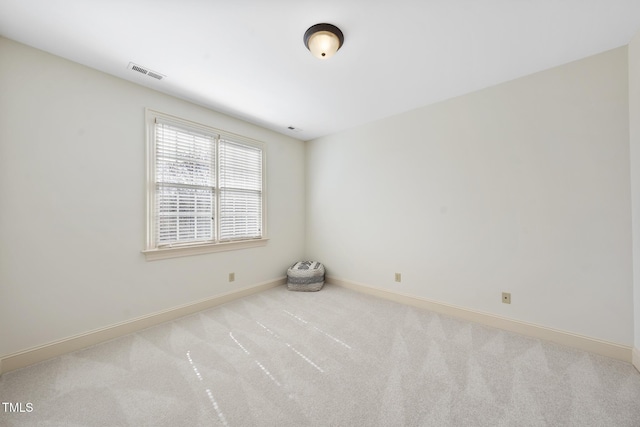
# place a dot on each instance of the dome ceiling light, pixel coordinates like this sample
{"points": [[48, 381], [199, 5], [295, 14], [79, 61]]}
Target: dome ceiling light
{"points": [[323, 40]]}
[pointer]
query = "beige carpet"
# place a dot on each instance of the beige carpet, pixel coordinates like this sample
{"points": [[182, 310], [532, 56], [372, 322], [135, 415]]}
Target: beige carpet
{"points": [[331, 358]]}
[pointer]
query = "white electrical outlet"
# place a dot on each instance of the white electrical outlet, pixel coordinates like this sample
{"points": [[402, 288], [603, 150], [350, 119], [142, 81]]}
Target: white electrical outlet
{"points": [[398, 277], [232, 277], [506, 298]]}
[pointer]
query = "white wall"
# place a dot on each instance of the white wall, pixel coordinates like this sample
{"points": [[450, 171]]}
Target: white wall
{"points": [[72, 204], [634, 136], [523, 187]]}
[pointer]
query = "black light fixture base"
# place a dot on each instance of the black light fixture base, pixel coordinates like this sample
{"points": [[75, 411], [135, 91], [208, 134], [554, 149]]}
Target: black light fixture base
{"points": [[323, 27]]}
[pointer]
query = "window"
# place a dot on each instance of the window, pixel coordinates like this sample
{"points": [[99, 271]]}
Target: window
{"points": [[204, 189]]}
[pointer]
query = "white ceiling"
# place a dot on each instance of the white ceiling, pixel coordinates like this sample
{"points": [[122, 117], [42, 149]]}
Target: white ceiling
{"points": [[246, 57]]}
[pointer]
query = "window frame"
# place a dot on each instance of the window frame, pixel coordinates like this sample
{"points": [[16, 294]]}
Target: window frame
{"points": [[152, 250]]}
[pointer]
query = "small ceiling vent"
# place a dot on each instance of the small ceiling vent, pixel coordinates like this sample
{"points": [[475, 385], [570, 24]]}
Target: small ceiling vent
{"points": [[146, 71]]}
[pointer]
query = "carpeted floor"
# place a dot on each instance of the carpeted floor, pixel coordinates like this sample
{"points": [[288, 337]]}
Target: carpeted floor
{"points": [[331, 358]]}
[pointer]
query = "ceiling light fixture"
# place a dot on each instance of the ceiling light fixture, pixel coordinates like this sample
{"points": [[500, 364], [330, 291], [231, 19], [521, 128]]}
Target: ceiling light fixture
{"points": [[323, 40]]}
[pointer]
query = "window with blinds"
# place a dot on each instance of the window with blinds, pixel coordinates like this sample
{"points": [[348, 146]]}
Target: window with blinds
{"points": [[206, 185]]}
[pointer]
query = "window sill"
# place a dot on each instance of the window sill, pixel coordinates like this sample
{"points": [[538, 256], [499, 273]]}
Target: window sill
{"points": [[180, 251]]}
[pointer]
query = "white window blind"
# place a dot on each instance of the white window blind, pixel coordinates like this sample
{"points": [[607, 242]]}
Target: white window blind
{"points": [[207, 187], [185, 185], [240, 191]]}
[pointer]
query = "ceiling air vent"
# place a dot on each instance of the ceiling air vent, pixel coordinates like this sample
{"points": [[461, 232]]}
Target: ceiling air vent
{"points": [[146, 71]]}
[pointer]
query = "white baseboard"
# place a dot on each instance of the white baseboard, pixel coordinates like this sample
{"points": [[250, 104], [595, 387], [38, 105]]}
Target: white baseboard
{"points": [[636, 358], [591, 345], [97, 336]]}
